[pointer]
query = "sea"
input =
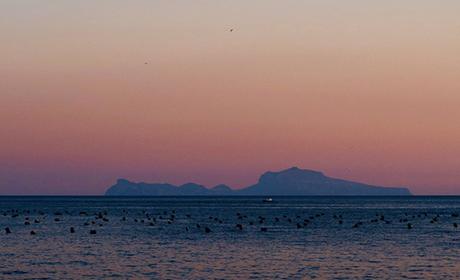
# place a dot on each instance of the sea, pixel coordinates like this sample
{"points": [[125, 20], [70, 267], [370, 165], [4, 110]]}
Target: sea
{"points": [[85, 237]]}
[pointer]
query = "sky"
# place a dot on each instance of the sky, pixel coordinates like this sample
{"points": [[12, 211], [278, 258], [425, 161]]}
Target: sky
{"points": [[162, 91]]}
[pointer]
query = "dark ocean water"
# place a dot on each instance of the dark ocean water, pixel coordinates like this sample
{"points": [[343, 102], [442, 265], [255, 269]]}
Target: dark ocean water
{"points": [[159, 238]]}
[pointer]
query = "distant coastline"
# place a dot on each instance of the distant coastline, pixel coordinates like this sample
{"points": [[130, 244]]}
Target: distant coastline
{"points": [[288, 182]]}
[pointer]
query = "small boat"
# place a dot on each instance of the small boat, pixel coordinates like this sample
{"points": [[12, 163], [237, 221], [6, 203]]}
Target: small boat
{"points": [[269, 199]]}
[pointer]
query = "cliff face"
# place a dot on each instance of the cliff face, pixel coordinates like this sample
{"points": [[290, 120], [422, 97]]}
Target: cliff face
{"points": [[292, 181]]}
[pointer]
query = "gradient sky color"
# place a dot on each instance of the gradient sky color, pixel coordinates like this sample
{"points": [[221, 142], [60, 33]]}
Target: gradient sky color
{"points": [[362, 90]]}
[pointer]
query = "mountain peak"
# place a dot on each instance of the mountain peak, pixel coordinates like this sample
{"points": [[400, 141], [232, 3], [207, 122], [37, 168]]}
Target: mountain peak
{"points": [[293, 173], [123, 181], [291, 181], [222, 190], [295, 169]]}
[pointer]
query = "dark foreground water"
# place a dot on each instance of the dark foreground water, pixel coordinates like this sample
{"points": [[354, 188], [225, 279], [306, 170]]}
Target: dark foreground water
{"points": [[166, 238]]}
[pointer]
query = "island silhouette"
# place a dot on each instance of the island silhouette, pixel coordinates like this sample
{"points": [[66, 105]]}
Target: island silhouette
{"points": [[288, 182]]}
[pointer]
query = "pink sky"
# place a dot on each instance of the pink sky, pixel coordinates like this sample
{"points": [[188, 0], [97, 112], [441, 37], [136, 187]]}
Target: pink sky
{"points": [[361, 90]]}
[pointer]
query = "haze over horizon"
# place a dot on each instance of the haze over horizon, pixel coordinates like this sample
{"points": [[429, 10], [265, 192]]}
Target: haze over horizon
{"points": [[162, 91]]}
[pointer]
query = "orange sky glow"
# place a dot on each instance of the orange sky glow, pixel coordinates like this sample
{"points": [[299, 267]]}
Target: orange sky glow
{"points": [[91, 91]]}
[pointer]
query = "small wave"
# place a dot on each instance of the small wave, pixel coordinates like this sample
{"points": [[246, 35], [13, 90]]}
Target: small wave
{"points": [[14, 272]]}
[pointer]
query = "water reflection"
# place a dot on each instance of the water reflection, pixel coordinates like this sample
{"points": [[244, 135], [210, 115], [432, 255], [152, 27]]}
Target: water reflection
{"points": [[159, 238]]}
